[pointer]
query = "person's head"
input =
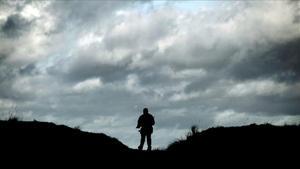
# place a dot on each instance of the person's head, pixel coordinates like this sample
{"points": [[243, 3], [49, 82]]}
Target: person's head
{"points": [[145, 110]]}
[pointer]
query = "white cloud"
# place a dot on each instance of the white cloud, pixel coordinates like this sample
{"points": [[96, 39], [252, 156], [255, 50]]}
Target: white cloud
{"points": [[132, 84], [182, 96], [89, 39], [6, 104], [184, 74], [32, 11], [257, 87], [88, 85]]}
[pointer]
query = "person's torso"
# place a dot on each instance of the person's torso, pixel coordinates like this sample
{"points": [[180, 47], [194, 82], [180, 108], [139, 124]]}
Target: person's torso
{"points": [[147, 121]]}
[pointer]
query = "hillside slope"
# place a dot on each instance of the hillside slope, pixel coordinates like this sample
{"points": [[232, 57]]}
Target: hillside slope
{"points": [[262, 140], [44, 136]]}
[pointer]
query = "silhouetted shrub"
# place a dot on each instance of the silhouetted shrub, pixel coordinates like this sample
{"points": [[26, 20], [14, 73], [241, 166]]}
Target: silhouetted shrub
{"points": [[77, 128], [13, 118], [194, 131]]}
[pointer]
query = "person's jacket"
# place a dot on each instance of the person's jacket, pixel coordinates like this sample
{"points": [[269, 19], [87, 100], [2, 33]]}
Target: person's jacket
{"points": [[145, 122]]}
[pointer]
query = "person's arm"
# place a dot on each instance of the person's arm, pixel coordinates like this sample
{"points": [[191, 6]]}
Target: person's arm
{"points": [[138, 123], [153, 121]]}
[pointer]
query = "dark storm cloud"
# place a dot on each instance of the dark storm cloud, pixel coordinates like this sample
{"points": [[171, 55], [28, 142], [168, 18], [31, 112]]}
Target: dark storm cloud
{"points": [[214, 57], [28, 70], [277, 61], [270, 105], [8, 76], [14, 26], [205, 82], [107, 72], [254, 97], [110, 71], [280, 61]]}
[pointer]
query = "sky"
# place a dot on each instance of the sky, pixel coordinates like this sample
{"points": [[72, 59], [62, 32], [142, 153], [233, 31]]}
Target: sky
{"points": [[96, 64]]}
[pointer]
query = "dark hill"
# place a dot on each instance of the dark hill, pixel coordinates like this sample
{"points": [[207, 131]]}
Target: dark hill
{"points": [[44, 136], [51, 143], [261, 140]]}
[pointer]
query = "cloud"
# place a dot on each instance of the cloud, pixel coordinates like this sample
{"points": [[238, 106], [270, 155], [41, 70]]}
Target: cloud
{"points": [[6, 104], [278, 62], [260, 87], [88, 85], [14, 26], [183, 74], [140, 31]]}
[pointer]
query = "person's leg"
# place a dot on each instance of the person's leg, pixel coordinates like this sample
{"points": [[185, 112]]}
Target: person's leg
{"points": [[149, 141], [142, 141]]}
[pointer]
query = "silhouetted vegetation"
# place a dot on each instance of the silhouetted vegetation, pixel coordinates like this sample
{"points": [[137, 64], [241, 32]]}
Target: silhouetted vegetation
{"points": [[77, 128], [13, 118], [265, 138], [194, 131]]}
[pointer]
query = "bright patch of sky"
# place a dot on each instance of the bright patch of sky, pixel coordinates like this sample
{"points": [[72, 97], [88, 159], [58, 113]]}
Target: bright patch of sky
{"points": [[182, 5], [188, 5]]}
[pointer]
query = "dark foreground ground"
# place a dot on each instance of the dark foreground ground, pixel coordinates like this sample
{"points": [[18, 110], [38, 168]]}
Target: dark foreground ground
{"points": [[29, 143]]}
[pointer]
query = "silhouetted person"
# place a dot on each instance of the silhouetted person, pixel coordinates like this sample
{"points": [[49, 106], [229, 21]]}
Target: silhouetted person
{"points": [[145, 122]]}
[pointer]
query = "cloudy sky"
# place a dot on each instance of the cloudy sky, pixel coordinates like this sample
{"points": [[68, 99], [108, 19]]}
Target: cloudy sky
{"points": [[97, 63]]}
